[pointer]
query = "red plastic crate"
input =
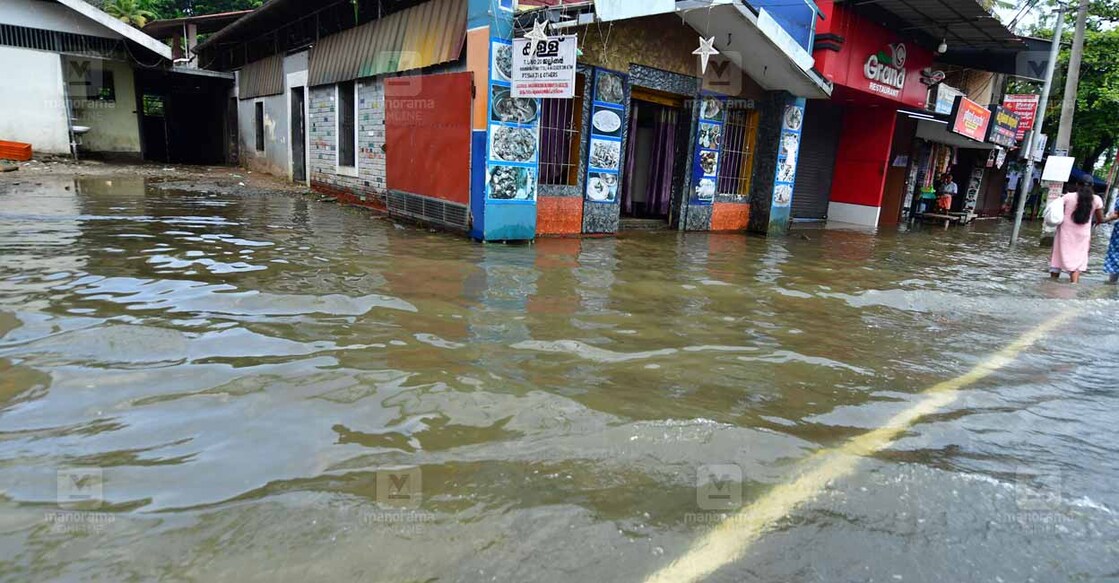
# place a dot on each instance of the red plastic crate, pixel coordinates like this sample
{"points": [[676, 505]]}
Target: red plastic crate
{"points": [[17, 151]]}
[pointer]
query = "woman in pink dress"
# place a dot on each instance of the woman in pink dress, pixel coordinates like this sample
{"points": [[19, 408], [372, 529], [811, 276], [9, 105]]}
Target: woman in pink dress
{"points": [[1074, 236]]}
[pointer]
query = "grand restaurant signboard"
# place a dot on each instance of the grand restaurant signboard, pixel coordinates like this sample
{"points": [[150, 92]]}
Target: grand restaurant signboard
{"points": [[969, 119], [872, 63]]}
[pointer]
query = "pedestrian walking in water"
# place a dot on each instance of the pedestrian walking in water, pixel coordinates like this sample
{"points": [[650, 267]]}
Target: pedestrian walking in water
{"points": [[1074, 235], [1111, 263]]}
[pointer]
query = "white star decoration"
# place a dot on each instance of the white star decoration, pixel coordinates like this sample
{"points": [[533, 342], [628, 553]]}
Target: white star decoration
{"points": [[537, 35], [705, 50]]}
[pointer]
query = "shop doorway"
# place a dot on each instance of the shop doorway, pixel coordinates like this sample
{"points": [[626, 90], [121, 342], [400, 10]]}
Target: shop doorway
{"points": [[298, 132], [819, 145], [655, 159]]}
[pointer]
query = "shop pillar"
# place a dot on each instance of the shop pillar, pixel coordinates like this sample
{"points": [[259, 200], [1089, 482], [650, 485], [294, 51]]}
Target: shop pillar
{"points": [[779, 131], [860, 165], [489, 27]]}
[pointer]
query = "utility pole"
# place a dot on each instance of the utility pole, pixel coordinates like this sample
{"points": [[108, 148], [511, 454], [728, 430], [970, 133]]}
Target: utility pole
{"points": [[1072, 81], [1068, 105], [1032, 141]]}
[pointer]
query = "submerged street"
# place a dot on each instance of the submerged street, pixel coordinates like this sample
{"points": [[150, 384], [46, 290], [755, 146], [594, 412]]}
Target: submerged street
{"points": [[268, 387]]}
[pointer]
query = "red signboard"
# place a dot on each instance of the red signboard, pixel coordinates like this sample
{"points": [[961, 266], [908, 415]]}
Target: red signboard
{"points": [[1026, 108], [969, 119], [427, 135], [872, 60]]}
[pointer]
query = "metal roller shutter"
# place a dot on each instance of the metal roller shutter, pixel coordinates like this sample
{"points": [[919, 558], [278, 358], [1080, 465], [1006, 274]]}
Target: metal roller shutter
{"points": [[823, 122]]}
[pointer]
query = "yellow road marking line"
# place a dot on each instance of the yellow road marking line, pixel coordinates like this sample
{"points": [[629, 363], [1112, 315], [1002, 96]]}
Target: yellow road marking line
{"points": [[728, 541]]}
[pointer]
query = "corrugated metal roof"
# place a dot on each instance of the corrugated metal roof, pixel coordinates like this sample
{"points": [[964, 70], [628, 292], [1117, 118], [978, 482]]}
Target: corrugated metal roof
{"points": [[260, 78], [418, 37], [962, 23]]}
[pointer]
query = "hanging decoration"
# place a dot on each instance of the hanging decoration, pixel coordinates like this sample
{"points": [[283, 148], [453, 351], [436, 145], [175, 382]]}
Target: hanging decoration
{"points": [[538, 34], [705, 51]]}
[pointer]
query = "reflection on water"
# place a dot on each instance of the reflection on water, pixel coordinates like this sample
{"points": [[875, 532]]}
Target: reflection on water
{"points": [[239, 377]]}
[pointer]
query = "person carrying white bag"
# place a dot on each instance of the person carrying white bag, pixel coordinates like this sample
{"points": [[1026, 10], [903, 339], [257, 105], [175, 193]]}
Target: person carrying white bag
{"points": [[1072, 216]]}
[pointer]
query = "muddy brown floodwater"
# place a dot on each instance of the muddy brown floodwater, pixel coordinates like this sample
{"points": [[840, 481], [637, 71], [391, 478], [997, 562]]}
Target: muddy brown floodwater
{"points": [[225, 386]]}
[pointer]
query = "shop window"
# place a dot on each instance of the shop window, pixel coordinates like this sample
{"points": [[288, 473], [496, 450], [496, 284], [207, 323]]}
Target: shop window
{"points": [[259, 126], [739, 135], [153, 105], [346, 132], [561, 131], [90, 81]]}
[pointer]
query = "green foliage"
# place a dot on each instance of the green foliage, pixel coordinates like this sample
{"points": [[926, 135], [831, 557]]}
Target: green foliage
{"points": [[1096, 123], [160, 9], [133, 12]]}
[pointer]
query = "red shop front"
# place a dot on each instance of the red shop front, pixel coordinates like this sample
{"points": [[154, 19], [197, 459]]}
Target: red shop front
{"points": [[856, 146]]}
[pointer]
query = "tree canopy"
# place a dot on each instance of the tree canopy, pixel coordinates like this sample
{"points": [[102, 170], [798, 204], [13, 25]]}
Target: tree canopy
{"points": [[1095, 128], [160, 9]]}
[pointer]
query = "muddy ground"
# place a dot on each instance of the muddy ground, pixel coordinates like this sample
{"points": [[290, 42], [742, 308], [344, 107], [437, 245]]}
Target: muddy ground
{"points": [[217, 179]]}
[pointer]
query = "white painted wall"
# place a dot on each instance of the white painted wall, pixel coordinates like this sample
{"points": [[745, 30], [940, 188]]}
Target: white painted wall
{"points": [[34, 109], [115, 125], [275, 158], [50, 16]]}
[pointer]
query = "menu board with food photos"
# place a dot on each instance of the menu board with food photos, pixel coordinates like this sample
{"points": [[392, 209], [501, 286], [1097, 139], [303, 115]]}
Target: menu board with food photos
{"points": [[792, 122], [514, 133], [604, 153], [708, 148]]}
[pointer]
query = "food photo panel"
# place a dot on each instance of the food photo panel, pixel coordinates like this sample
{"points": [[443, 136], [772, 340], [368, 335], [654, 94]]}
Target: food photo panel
{"points": [[605, 154], [606, 121], [512, 183], [513, 143], [602, 187]]}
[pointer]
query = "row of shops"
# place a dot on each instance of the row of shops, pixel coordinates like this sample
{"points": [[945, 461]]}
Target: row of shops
{"points": [[807, 112]]}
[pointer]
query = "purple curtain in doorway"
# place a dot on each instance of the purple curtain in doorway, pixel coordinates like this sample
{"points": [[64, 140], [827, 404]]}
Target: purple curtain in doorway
{"points": [[631, 155], [663, 161]]}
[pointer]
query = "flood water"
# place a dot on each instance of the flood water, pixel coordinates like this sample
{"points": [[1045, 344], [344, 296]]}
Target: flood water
{"points": [[219, 386]]}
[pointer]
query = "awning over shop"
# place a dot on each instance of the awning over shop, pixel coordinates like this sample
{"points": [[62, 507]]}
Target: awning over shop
{"points": [[758, 46], [960, 23], [418, 37], [1082, 176], [937, 131]]}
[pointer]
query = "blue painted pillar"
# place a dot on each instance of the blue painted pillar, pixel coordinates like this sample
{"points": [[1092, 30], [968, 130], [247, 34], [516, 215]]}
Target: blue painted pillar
{"points": [[502, 192]]}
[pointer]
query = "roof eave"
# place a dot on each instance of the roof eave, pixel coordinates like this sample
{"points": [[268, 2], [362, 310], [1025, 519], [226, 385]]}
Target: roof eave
{"points": [[132, 34]]}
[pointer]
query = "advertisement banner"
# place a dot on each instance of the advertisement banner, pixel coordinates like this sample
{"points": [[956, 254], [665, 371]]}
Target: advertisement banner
{"points": [[708, 149], [1004, 127], [969, 119], [608, 115], [514, 135], [946, 98], [549, 73], [1025, 105]]}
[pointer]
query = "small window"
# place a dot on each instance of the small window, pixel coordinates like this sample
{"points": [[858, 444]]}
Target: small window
{"points": [[90, 81], [561, 124], [346, 114], [153, 105], [260, 126], [739, 135]]}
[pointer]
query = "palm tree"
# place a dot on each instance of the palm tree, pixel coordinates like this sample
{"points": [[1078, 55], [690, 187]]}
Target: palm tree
{"points": [[133, 12]]}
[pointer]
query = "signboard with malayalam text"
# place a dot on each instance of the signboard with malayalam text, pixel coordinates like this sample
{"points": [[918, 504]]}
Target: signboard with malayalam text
{"points": [[1004, 127], [969, 119], [547, 73], [1025, 105]]}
